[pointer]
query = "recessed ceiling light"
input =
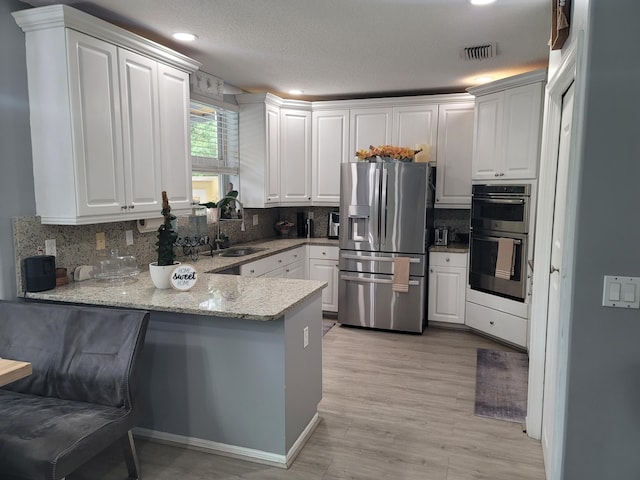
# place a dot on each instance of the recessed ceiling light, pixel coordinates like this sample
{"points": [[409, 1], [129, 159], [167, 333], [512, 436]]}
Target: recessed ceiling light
{"points": [[483, 79], [184, 37], [295, 92], [481, 2]]}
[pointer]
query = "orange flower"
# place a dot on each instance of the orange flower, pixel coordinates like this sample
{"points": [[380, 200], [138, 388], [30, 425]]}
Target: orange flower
{"points": [[397, 153]]}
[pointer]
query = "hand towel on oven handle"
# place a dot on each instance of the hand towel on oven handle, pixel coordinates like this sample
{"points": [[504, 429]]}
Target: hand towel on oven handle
{"points": [[505, 262], [400, 274]]}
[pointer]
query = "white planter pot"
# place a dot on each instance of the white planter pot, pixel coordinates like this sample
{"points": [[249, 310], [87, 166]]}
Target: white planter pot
{"points": [[161, 275]]}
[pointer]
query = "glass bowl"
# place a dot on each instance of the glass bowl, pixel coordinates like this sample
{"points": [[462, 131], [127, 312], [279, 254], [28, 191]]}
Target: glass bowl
{"points": [[115, 266]]}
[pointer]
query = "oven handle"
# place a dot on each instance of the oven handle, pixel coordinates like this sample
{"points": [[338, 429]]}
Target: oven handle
{"points": [[510, 201], [494, 239], [373, 280]]}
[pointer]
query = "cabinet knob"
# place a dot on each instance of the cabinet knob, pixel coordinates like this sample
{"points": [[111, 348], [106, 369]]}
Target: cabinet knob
{"points": [[431, 270], [124, 207], [447, 259], [496, 174], [131, 206], [252, 271], [279, 261], [491, 322], [324, 253], [502, 174]]}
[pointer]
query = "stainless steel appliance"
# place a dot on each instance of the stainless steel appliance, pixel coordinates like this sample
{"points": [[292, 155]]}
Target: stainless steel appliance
{"points": [[441, 236], [386, 211], [499, 211], [333, 228]]}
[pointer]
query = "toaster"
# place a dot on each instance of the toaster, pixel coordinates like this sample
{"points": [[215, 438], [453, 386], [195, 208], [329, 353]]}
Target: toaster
{"points": [[441, 236]]}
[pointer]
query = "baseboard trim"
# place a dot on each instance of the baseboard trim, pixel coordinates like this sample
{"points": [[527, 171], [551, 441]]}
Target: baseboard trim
{"points": [[300, 442], [233, 451]]}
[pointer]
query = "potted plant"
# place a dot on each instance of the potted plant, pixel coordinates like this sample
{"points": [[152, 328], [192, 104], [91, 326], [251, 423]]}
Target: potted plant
{"points": [[160, 270], [224, 206]]}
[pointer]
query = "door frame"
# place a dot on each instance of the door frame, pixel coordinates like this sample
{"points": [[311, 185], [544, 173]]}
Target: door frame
{"points": [[566, 74]]}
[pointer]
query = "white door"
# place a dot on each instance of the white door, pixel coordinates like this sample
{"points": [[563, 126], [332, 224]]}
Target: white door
{"points": [[140, 131], [325, 270], [295, 156], [552, 416], [94, 95], [175, 150]]}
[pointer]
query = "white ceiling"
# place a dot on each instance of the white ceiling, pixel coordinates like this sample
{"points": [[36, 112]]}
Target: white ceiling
{"points": [[341, 48]]}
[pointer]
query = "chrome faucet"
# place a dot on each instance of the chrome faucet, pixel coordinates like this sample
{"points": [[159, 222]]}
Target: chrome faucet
{"points": [[242, 228]]}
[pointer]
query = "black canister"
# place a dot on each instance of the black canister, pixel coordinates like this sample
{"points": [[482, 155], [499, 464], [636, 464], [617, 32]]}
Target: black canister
{"points": [[301, 224], [40, 273]]}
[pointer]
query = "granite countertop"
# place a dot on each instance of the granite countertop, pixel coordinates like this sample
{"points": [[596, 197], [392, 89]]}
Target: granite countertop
{"points": [[230, 296], [451, 248]]}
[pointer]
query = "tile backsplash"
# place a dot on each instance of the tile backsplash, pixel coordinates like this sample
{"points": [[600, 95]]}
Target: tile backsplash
{"points": [[76, 244], [457, 220]]}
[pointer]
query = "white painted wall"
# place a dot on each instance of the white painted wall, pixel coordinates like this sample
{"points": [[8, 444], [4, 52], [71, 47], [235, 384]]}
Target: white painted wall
{"points": [[16, 173]]}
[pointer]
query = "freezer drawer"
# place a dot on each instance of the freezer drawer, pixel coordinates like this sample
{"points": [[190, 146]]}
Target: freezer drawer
{"points": [[367, 300], [378, 262]]}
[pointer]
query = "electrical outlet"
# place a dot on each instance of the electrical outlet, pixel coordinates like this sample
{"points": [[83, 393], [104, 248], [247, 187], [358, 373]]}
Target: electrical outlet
{"points": [[50, 247], [255, 220], [128, 235], [305, 341], [101, 242], [310, 215]]}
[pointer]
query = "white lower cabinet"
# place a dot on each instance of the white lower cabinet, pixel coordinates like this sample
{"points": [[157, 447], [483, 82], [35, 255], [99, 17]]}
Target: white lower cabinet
{"points": [[447, 287], [323, 266], [295, 270], [498, 324], [288, 264]]}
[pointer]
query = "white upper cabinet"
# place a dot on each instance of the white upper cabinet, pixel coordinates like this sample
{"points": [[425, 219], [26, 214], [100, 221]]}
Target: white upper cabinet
{"points": [[369, 126], [295, 156], [275, 151], [415, 125], [140, 132], [508, 123], [330, 148], [453, 155], [175, 145], [98, 115]]}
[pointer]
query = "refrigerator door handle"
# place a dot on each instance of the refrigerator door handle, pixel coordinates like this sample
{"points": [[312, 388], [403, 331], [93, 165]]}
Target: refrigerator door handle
{"points": [[383, 206], [374, 280], [376, 259]]}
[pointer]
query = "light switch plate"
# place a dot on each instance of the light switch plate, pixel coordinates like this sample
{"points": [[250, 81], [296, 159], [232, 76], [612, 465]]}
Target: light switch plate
{"points": [[101, 242], [50, 247], [621, 292]]}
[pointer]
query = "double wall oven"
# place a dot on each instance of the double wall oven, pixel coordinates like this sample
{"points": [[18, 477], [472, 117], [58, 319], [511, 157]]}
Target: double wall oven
{"points": [[499, 212]]}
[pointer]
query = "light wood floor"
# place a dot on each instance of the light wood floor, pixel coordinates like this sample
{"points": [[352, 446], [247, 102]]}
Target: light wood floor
{"points": [[394, 407]]}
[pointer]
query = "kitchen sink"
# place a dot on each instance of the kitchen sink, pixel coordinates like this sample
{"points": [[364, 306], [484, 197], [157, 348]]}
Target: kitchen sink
{"points": [[239, 251]]}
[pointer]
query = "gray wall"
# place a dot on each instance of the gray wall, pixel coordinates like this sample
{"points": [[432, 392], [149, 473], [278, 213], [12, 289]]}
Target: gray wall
{"points": [[603, 397], [16, 175]]}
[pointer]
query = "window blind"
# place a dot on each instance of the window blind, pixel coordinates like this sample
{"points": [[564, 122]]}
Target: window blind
{"points": [[214, 139]]}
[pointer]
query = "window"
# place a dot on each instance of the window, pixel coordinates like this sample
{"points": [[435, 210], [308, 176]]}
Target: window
{"points": [[214, 151]]}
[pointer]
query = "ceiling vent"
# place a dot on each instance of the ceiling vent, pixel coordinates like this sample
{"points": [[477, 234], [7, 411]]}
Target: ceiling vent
{"points": [[479, 52]]}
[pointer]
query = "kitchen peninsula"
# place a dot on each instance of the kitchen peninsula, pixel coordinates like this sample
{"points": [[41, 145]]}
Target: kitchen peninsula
{"points": [[227, 366]]}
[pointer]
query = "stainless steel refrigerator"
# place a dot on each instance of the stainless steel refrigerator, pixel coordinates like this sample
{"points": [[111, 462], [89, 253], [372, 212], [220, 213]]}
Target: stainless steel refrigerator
{"points": [[386, 211]]}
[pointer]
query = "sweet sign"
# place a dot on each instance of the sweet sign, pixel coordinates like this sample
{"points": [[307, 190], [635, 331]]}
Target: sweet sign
{"points": [[183, 277]]}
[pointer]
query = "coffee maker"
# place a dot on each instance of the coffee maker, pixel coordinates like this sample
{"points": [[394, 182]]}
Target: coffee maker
{"points": [[333, 228]]}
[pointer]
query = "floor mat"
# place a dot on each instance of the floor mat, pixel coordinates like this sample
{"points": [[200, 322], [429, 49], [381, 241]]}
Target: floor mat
{"points": [[501, 385]]}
